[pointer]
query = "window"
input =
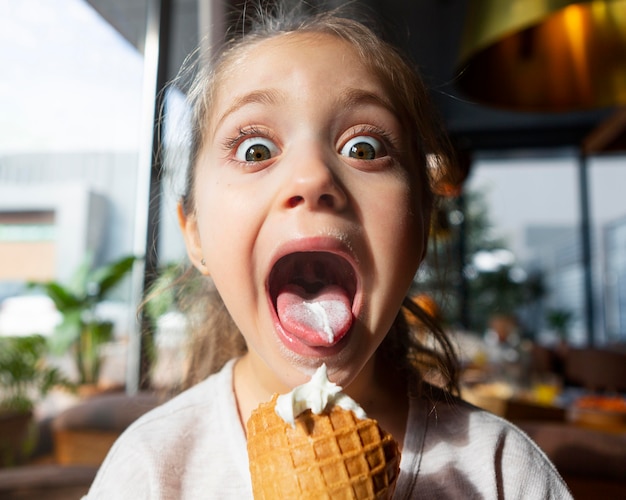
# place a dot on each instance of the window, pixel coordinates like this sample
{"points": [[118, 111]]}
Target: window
{"points": [[531, 208], [71, 95]]}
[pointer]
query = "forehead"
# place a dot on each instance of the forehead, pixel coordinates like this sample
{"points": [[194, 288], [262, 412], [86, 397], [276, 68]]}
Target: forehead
{"points": [[288, 48], [309, 62]]}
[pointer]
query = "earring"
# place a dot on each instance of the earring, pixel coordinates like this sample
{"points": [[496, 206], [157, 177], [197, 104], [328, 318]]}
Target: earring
{"points": [[203, 262]]}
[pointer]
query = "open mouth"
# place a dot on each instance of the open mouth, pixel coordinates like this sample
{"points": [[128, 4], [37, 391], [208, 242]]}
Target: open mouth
{"points": [[312, 294]]}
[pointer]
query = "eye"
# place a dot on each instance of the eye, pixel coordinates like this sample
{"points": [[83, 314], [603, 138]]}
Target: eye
{"points": [[255, 149], [363, 147]]}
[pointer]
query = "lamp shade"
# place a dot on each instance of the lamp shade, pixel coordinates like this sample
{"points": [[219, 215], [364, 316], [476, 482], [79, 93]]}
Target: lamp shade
{"points": [[544, 55]]}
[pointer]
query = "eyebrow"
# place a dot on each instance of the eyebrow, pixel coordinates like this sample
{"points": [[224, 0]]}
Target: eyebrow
{"points": [[263, 96], [353, 97], [349, 98]]}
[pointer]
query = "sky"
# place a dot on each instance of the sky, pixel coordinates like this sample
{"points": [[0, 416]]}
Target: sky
{"points": [[69, 81]]}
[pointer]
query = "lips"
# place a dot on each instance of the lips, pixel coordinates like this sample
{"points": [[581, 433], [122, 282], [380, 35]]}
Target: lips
{"points": [[313, 294]]}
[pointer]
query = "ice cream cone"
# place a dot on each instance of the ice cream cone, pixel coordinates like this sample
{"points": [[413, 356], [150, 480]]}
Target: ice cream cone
{"points": [[331, 455]]}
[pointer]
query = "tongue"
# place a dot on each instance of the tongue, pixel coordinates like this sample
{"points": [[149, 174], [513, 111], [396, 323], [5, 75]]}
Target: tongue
{"points": [[318, 319]]}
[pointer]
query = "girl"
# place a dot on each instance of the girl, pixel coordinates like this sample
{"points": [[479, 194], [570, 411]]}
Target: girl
{"points": [[312, 179]]}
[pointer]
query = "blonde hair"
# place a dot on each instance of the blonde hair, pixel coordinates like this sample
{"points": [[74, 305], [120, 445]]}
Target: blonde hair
{"points": [[215, 336]]}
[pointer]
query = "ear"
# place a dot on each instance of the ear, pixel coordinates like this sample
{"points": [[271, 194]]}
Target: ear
{"points": [[189, 227]]}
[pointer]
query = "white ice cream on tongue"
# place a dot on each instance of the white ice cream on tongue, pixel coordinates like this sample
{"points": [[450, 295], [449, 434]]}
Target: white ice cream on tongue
{"points": [[319, 318], [316, 395]]}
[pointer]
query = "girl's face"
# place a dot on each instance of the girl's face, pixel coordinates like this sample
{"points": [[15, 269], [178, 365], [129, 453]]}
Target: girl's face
{"points": [[306, 216]]}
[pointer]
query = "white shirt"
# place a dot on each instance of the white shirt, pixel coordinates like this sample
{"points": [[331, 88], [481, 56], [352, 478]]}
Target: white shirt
{"points": [[194, 447]]}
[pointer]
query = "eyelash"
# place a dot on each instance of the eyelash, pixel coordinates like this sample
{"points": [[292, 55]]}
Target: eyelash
{"points": [[377, 133], [231, 143]]}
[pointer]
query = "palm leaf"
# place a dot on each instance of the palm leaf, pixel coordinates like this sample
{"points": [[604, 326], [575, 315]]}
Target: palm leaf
{"points": [[110, 275], [67, 332], [63, 298]]}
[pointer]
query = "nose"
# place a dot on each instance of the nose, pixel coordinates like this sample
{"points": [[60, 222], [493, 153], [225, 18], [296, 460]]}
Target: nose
{"points": [[314, 184]]}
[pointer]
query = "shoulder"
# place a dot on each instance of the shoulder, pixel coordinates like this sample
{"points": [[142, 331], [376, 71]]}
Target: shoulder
{"points": [[206, 397], [198, 428], [185, 414], [460, 424], [484, 452]]}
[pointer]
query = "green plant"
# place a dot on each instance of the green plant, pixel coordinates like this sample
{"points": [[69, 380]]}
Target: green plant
{"points": [[560, 320], [81, 330], [470, 270], [24, 374], [25, 377]]}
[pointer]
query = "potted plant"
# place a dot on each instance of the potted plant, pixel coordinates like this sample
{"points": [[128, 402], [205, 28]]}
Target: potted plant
{"points": [[81, 330], [24, 379], [559, 320]]}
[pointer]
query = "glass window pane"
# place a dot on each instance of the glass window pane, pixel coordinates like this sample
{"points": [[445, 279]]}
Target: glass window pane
{"points": [[607, 178], [525, 258], [71, 100]]}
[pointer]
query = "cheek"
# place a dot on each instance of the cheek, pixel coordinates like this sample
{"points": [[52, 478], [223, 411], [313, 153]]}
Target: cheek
{"points": [[228, 228], [216, 204], [402, 214], [215, 222], [409, 244], [395, 234]]}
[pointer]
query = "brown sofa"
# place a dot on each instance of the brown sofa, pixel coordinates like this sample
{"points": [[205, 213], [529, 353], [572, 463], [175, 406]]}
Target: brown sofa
{"points": [[72, 447], [592, 462]]}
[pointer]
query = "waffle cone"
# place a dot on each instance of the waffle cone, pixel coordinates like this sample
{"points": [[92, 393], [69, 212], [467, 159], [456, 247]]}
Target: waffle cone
{"points": [[331, 455]]}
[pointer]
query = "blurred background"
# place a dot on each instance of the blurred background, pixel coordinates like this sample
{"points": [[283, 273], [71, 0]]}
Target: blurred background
{"points": [[528, 265]]}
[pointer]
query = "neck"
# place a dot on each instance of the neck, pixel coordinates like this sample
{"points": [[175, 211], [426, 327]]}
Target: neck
{"points": [[251, 388], [381, 395]]}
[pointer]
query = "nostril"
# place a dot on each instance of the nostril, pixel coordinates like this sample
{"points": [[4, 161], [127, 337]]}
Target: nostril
{"points": [[294, 201], [327, 200]]}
